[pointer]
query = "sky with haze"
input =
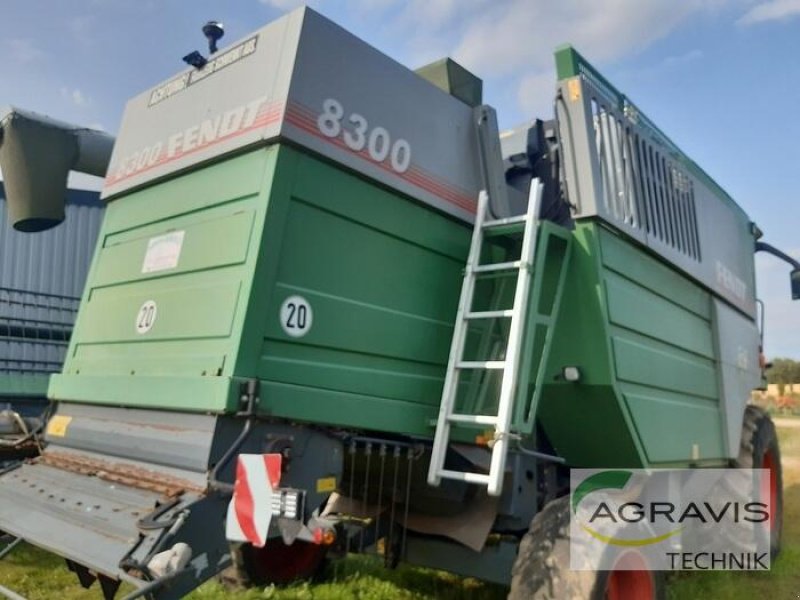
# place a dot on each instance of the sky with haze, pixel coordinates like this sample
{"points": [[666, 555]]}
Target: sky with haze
{"points": [[721, 77]]}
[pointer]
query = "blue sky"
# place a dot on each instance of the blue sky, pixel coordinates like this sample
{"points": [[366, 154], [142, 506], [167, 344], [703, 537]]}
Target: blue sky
{"points": [[719, 76]]}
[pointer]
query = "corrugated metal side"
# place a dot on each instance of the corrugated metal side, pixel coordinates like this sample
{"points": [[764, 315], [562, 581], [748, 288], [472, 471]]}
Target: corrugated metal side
{"points": [[41, 280]]}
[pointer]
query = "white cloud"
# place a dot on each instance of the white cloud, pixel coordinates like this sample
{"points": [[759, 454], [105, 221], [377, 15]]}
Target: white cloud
{"points": [[681, 59], [77, 97], [522, 33], [536, 91], [24, 50], [284, 5], [772, 10], [435, 14], [510, 43], [516, 38], [370, 5]]}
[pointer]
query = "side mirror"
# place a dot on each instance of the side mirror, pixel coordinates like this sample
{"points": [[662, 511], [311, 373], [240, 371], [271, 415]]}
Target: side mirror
{"points": [[795, 279]]}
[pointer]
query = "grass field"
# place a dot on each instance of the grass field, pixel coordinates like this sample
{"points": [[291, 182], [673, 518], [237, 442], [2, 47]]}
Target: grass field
{"points": [[40, 576]]}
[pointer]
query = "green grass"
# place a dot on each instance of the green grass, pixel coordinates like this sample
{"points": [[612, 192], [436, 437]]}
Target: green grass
{"points": [[364, 578], [38, 575], [41, 576]]}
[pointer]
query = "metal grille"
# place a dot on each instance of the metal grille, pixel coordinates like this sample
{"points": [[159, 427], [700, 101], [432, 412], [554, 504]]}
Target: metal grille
{"points": [[34, 331], [642, 186], [41, 278]]}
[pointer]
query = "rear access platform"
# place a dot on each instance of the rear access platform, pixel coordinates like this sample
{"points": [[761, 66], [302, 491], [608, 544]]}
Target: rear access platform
{"points": [[110, 516], [140, 496]]}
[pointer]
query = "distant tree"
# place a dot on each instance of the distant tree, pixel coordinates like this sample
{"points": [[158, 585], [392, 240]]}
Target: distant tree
{"points": [[783, 372]]}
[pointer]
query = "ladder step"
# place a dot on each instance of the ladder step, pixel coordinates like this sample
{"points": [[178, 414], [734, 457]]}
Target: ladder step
{"points": [[481, 364], [506, 266], [473, 419], [489, 314], [515, 220], [466, 476]]}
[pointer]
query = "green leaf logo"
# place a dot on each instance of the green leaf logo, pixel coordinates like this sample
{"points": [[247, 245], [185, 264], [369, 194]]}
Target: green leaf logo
{"points": [[611, 480]]}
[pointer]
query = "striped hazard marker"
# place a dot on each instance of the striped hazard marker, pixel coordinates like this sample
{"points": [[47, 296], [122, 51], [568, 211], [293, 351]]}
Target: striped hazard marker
{"points": [[250, 510]]}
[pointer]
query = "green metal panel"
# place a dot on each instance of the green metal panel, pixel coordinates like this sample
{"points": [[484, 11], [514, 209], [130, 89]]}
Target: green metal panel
{"points": [[588, 426], [448, 75], [620, 257], [587, 422], [662, 339], [550, 269], [671, 425], [195, 394], [648, 363], [382, 275], [676, 326], [645, 333], [17, 386], [187, 360]]}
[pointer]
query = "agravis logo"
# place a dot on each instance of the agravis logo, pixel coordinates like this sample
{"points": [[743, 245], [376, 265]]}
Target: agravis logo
{"points": [[713, 515]]}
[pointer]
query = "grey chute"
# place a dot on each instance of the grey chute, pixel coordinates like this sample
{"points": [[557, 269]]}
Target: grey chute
{"points": [[36, 155]]}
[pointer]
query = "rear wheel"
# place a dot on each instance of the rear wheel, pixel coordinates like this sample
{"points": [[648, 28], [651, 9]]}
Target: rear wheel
{"points": [[759, 450], [629, 580], [542, 569], [275, 563]]}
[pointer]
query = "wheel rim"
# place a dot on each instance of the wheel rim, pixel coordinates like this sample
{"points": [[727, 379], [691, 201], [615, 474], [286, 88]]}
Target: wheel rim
{"points": [[770, 488], [278, 563], [630, 579]]}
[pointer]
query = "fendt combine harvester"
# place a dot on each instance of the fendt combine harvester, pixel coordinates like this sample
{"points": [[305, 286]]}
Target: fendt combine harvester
{"points": [[278, 311], [41, 272]]}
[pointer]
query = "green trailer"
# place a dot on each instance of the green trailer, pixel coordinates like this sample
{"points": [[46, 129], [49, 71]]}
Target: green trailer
{"points": [[278, 311]]}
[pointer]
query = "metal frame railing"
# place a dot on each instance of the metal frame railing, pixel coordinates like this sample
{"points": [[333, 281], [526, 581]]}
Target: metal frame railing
{"points": [[35, 329], [621, 167]]}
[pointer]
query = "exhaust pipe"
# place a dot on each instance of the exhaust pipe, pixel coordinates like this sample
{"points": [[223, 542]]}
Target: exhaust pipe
{"points": [[36, 155]]}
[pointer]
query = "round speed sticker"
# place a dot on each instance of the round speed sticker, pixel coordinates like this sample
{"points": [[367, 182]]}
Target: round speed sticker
{"points": [[296, 316]]}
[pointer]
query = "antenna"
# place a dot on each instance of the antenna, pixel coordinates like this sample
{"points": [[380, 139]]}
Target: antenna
{"points": [[213, 30]]}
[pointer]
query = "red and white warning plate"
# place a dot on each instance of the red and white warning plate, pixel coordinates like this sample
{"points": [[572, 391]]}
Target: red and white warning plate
{"points": [[250, 510]]}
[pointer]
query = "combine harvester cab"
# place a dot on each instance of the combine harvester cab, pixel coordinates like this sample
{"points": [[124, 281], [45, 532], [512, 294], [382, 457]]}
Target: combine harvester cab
{"points": [[41, 272], [273, 315]]}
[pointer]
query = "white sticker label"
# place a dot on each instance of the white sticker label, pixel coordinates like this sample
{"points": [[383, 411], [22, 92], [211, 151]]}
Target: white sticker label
{"points": [[296, 316], [146, 317], [163, 252]]}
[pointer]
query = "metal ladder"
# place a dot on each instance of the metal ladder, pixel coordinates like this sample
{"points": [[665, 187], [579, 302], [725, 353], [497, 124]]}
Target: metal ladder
{"points": [[510, 365]]}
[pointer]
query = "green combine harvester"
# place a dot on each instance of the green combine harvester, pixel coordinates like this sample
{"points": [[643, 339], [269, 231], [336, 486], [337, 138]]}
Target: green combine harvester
{"points": [[278, 311]]}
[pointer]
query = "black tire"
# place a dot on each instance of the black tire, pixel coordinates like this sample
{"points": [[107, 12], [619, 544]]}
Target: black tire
{"points": [[542, 568], [759, 449]]}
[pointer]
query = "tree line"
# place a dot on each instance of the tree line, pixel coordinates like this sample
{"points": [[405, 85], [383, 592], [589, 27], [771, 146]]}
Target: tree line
{"points": [[784, 371]]}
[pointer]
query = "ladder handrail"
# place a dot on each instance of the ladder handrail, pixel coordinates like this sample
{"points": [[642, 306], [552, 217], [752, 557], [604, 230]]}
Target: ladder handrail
{"points": [[505, 408], [508, 388], [442, 436]]}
